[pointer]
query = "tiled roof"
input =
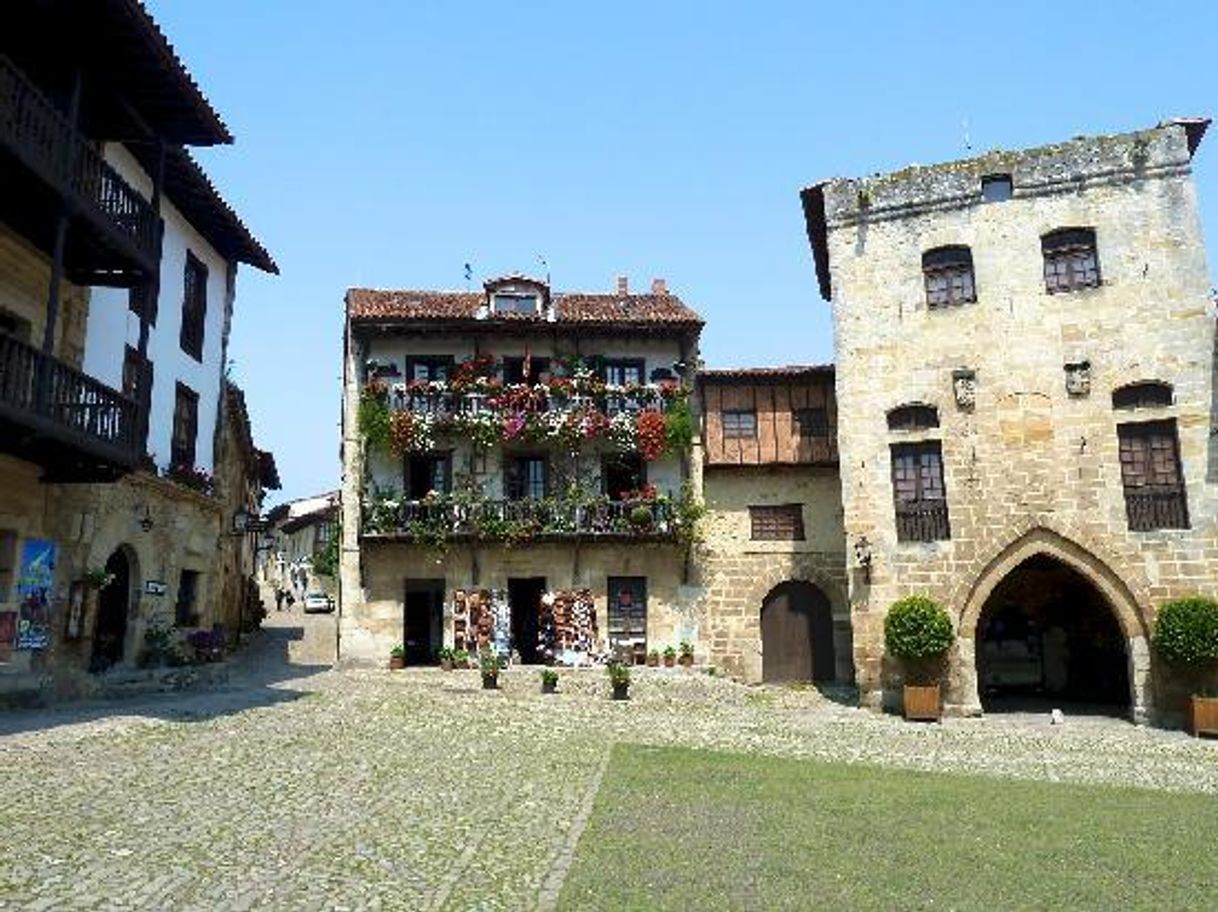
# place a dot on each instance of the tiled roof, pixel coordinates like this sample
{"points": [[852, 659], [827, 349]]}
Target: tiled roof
{"points": [[787, 372], [587, 309]]}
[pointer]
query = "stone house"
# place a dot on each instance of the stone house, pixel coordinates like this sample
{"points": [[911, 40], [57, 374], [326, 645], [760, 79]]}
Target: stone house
{"points": [[771, 558], [517, 470], [1025, 390], [118, 264], [300, 534]]}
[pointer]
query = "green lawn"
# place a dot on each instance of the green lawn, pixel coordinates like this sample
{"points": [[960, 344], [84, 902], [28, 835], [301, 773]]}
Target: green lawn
{"points": [[684, 829]]}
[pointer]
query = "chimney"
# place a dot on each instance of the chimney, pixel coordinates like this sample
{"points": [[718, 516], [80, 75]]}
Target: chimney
{"points": [[623, 286], [659, 287]]}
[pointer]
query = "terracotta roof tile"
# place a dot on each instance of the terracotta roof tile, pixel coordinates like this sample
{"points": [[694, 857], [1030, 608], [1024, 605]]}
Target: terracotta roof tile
{"points": [[589, 309], [786, 372]]}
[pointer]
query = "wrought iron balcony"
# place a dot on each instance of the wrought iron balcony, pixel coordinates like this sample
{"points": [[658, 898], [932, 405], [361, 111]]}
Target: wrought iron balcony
{"points": [[1159, 507], [923, 521], [114, 240], [51, 414], [446, 517]]}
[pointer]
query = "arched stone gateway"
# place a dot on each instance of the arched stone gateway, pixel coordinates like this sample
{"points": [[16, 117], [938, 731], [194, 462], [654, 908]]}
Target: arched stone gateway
{"points": [[797, 634], [1048, 621], [113, 607]]}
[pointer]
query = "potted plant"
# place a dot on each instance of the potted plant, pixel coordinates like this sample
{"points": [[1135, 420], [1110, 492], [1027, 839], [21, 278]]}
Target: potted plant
{"points": [[1186, 635], [641, 516], [670, 657], [446, 656], [653, 658], [397, 657], [489, 664], [461, 658], [918, 631], [687, 653], [549, 681], [619, 677]]}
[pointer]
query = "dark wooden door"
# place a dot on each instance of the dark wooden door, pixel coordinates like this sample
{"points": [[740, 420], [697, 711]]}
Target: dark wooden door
{"points": [[111, 632], [797, 634], [524, 599], [424, 620]]}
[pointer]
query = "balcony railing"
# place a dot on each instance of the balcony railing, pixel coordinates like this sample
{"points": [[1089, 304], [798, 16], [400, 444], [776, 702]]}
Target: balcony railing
{"points": [[1160, 508], [923, 521], [524, 398], [54, 403], [43, 139], [521, 520]]}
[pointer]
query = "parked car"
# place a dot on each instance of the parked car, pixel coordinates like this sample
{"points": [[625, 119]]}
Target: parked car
{"points": [[318, 601]]}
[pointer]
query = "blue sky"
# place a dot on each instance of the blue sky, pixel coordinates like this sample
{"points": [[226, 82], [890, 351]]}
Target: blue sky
{"points": [[387, 143]]}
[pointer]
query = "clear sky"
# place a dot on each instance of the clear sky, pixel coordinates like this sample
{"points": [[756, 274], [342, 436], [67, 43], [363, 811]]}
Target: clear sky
{"points": [[388, 143]]}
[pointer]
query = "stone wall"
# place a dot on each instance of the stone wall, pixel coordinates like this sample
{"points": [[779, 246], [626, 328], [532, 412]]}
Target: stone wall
{"points": [[736, 574], [1030, 467]]}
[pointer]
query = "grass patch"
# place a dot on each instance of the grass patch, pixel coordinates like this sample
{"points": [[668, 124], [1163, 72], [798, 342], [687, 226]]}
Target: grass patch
{"points": [[679, 829]]}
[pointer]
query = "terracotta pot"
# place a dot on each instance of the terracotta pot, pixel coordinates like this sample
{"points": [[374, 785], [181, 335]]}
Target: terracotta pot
{"points": [[670, 661], [686, 661], [446, 664], [653, 661], [549, 687], [621, 691], [922, 702], [490, 682], [1203, 716], [397, 663]]}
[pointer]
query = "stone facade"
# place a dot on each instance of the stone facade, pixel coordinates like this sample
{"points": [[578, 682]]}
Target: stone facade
{"points": [[1023, 383]]}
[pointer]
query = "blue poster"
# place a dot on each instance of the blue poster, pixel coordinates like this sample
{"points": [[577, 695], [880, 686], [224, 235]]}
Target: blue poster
{"points": [[35, 588]]}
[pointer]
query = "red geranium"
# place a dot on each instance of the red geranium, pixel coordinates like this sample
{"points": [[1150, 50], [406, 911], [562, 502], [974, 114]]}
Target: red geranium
{"points": [[652, 434]]}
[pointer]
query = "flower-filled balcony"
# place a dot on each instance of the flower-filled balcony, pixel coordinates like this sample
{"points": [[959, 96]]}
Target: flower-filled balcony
{"points": [[439, 518], [650, 419]]}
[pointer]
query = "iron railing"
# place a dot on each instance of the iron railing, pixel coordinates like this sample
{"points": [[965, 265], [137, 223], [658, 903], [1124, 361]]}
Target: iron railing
{"points": [[1162, 507], [450, 404], [42, 138], [923, 521], [53, 398]]}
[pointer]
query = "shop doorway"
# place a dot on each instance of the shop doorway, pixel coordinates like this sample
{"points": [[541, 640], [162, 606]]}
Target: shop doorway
{"points": [[1048, 638], [524, 601], [423, 620], [797, 634], [113, 603]]}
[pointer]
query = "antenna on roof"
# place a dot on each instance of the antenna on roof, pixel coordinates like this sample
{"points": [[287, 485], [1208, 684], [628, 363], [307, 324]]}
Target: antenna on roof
{"points": [[469, 274], [546, 266], [968, 141]]}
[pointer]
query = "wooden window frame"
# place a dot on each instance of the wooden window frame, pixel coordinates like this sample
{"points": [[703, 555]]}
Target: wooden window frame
{"points": [[516, 298], [776, 522], [732, 430], [1143, 394], [1071, 260], [445, 457], [141, 298], [516, 487], [811, 422], [920, 518], [1152, 477], [914, 416], [433, 363], [947, 274], [624, 364], [194, 307], [185, 425]]}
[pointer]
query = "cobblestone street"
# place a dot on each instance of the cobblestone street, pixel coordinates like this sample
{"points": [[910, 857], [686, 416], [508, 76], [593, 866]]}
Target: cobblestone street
{"points": [[298, 787]]}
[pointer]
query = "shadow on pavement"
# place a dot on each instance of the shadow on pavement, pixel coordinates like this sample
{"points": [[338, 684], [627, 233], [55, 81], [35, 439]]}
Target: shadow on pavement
{"points": [[249, 678]]}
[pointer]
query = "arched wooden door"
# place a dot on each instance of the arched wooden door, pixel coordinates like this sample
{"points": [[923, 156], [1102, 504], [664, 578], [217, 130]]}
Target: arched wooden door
{"points": [[111, 632], [797, 634]]}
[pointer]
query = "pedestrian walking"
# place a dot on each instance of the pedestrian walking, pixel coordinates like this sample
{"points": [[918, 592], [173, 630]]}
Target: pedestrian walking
{"points": [[279, 593]]}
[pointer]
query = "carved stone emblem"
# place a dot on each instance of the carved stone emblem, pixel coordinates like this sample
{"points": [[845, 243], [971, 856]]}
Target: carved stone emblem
{"points": [[964, 385], [1078, 378]]}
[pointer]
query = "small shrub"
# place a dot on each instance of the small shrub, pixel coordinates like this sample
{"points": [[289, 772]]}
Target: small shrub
{"points": [[1186, 632], [549, 676], [669, 652], [917, 629], [397, 652], [687, 649], [489, 662], [619, 673]]}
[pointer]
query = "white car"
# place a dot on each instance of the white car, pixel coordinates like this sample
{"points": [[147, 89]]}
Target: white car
{"points": [[318, 601]]}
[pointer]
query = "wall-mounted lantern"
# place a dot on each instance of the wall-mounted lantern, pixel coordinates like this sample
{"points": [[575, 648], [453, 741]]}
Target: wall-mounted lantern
{"points": [[863, 557]]}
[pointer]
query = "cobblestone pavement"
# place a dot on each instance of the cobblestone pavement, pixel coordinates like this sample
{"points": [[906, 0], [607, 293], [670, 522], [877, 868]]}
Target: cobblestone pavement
{"points": [[299, 787]]}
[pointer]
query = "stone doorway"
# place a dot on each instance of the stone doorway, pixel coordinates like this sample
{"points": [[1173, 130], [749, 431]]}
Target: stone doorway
{"points": [[1048, 638], [423, 620], [113, 605], [524, 601], [797, 634]]}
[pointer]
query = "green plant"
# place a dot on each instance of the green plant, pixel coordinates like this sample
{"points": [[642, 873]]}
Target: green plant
{"points": [[669, 652], [619, 674], [549, 676], [97, 577], [397, 652], [689, 513], [461, 657], [326, 563], [687, 649], [654, 654], [489, 663], [919, 631], [375, 420], [445, 654], [641, 515], [1186, 634], [679, 427]]}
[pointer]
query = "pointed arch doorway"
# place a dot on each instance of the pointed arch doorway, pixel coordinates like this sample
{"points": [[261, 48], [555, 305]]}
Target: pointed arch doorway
{"points": [[113, 606]]}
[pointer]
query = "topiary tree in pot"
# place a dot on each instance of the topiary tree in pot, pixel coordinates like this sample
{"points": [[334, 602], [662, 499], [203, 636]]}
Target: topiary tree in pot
{"points": [[918, 632], [1186, 636]]}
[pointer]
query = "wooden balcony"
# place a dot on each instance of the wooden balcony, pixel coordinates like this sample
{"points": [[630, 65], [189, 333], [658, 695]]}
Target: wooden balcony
{"points": [[520, 521], [48, 167], [53, 415]]}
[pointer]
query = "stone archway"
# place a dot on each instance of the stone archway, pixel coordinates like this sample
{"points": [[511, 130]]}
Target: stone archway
{"points": [[797, 634], [1040, 545], [111, 629]]}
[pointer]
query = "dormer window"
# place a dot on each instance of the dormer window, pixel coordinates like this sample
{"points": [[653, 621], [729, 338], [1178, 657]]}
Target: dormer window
{"points": [[507, 302]]}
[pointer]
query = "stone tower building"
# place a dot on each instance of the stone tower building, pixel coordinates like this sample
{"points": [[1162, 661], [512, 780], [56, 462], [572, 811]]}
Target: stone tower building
{"points": [[1025, 364]]}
